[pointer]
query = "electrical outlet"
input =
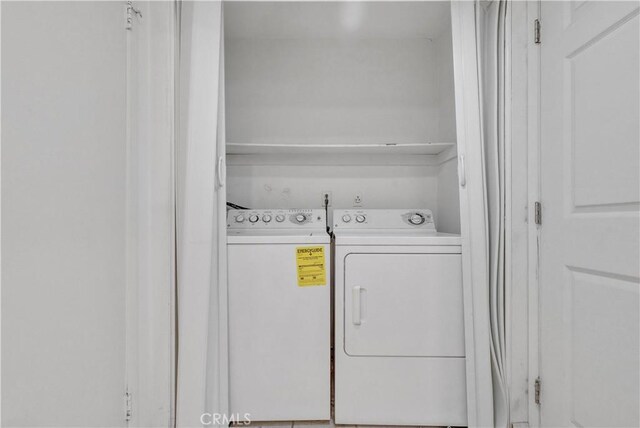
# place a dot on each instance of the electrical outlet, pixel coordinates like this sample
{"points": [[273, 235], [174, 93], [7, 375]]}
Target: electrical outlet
{"points": [[357, 200], [329, 197]]}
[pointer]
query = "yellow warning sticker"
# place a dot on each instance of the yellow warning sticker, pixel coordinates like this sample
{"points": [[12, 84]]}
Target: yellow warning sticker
{"points": [[311, 266]]}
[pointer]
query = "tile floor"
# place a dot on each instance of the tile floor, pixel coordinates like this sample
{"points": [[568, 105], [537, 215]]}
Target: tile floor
{"points": [[319, 424]]}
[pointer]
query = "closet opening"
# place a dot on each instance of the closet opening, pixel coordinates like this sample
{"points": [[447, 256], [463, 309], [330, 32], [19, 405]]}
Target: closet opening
{"points": [[341, 116]]}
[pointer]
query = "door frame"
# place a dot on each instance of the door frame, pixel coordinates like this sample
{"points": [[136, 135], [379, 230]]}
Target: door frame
{"points": [[150, 286], [523, 168], [533, 192], [521, 194]]}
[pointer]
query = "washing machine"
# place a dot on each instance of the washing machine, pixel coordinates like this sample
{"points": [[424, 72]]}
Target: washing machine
{"points": [[399, 336], [279, 314]]}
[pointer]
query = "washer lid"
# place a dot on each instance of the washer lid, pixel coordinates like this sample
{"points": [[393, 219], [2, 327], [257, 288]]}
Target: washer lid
{"points": [[391, 237]]}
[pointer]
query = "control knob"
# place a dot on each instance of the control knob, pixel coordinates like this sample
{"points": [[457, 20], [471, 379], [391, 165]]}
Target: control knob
{"points": [[346, 218], [279, 218], [266, 218], [253, 218], [239, 218], [300, 218], [360, 218], [416, 219]]}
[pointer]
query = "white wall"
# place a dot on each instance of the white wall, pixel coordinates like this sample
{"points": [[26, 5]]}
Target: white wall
{"points": [[287, 186], [446, 100], [276, 184], [448, 203], [342, 91], [63, 213]]}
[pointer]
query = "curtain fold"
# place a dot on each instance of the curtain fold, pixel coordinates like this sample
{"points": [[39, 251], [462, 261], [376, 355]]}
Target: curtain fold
{"points": [[198, 306], [492, 38]]}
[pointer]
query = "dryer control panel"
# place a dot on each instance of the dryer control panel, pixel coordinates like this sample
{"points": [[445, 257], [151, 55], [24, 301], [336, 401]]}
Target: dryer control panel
{"points": [[384, 219], [276, 219]]}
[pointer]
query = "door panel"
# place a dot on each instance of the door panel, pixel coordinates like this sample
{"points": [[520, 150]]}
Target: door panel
{"points": [[590, 186], [403, 305], [64, 212]]}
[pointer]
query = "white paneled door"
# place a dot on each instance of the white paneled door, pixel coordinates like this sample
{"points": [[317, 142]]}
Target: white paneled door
{"points": [[589, 264], [64, 213]]}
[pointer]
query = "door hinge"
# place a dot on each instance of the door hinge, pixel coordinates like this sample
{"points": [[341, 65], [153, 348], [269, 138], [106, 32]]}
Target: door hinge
{"points": [[128, 405], [537, 213], [536, 31], [131, 11], [536, 388]]}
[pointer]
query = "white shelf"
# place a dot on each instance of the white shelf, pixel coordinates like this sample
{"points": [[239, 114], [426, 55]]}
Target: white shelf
{"points": [[316, 149]]}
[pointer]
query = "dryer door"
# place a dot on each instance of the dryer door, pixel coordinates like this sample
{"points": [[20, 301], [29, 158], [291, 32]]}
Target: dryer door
{"points": [[403, 305]]}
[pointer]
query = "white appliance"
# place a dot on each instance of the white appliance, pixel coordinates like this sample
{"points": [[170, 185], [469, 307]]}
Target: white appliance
{"points": [[399, 339], [279, 314]]}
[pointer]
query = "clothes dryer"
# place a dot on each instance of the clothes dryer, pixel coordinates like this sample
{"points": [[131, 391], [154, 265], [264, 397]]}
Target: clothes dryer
{"points": [[399, 337]]}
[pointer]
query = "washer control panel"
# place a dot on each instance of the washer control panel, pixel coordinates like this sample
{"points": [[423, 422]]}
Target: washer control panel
{"points": [[393, 219], [276, 219]]}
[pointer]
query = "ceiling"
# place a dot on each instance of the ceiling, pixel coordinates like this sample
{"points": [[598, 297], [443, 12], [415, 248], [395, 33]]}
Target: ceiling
{"points": [[334, 19]]}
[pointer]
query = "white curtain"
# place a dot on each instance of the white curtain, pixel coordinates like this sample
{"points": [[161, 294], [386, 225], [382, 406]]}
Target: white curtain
{"points": [[492, 52], [201, 306]]}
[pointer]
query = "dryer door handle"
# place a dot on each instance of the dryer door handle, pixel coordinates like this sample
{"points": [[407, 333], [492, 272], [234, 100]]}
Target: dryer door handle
{"points": [[355, 300]]}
